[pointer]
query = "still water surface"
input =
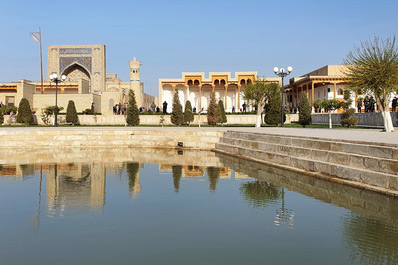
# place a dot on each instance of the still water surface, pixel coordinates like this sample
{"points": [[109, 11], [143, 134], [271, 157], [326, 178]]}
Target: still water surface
{"points": [[141, 206]]}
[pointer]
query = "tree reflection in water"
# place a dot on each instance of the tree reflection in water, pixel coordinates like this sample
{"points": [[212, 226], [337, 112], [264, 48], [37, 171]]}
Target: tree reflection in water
{"points": [[370, 241], [213, 174], [177, 173], [260, 193], [132, 170]]}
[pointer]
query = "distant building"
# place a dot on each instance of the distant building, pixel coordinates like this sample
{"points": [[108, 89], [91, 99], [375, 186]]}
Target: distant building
{"points": [[87, 82], [196, 88]]}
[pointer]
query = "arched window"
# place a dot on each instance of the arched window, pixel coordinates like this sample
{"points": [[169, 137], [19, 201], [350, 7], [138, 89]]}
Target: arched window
{"points": [[249, 81], [222, 82], [340, 92], [242, 82], [190, 82], [196, 82], [216, 82]]}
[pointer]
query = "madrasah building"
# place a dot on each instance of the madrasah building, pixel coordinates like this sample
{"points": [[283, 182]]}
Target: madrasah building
{"points": [[196, 87], [86, 82]]}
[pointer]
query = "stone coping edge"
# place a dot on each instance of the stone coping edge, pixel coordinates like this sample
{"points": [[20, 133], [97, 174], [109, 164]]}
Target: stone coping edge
{"points": [[320, 139], [315, 174]]}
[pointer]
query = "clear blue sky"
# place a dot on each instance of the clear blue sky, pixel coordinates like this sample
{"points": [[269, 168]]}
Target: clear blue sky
{"points": [[171, 37]]}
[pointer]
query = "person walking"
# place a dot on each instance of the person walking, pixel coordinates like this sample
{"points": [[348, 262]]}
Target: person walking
{"points": [[394, 104], [244, 107], [359, 105]]}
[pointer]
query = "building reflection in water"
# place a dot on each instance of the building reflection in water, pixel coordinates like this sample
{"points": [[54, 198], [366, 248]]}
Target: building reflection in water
{"points": [[75, 185], [186, 171]]}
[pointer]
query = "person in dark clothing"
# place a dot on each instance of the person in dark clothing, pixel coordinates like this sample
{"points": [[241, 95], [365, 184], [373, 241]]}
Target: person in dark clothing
{"points": [[244, 107], [194, 110], [394, 104], [372, 104], [359, 105], [366, 103], [164, 107]]}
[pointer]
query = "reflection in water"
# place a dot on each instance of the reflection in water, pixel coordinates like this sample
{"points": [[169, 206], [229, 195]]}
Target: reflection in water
{"points": [[133, 172], [177, 173], [370, 241], [213, 174], [369, 230], [260, 193], [74, 185]]}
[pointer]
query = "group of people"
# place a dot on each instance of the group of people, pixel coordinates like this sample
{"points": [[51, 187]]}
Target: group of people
{"points": [[368, 103], [119, 109]]}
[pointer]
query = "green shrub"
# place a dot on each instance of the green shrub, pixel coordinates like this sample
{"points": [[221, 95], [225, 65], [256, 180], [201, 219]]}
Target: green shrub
{"points": [[188, 114], [133, 114], [305, 111], [8, 109], [71, 114], [1, 118], [177, 117], [223, 116], [51, 110], [347, 119], [213, 111], [24, 112], [273, 110]]}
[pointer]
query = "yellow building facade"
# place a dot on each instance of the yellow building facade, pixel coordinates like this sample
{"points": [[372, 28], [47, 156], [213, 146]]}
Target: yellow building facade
{"points": [[196, 87]]}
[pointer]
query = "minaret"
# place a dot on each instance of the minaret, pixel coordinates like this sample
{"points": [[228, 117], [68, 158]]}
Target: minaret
{"points": [[135, 83]]}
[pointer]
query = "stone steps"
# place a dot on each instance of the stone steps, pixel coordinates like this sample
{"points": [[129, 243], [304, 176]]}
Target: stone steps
{"points": [[368, 164]]}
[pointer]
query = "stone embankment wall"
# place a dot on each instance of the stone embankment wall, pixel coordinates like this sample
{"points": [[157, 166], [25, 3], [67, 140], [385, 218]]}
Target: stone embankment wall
{"points": [[369, 119], [149, 119], [366, 165], [107, 137]]}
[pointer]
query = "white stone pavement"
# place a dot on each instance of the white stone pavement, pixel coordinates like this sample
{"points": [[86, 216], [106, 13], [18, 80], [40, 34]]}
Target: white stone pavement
{"points": [[362, 135]]}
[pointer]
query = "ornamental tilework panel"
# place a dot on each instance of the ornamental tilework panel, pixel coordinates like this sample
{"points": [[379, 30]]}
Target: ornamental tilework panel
{"points": [[75, 51], [65, 62]]}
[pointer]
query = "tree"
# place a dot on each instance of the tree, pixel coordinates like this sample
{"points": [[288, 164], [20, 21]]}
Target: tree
{"points": [[304, 111], [223, 116], [133, 115], [260, 92], [24, 112], [213, 111], [177, 117], [346, 117], [177, 173], [1, 118], [330, 105], [372, 68], [71, 114], [188, 114], [273, 109]]}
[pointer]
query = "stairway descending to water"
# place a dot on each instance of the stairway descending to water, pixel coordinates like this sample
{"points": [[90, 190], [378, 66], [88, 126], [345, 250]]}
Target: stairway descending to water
{"points": [[372, 166]]}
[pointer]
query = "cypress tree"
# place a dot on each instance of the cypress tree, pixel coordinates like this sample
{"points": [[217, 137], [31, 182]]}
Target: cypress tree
{"points": [[177, 173], [133, 115], [188, 114], [177, 117], [24, 112], [223, 116], [213, 111], [273, 109], [71, 114], [304, 111]]}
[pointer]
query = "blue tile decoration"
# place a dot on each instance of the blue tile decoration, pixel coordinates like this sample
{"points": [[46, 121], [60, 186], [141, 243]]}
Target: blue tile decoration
{"points": [[71, 51], [65, 62]]}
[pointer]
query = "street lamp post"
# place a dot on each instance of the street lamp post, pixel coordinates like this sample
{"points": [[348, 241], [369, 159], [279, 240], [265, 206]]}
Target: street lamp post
{"points": [[54, 78], [282, 73]]}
